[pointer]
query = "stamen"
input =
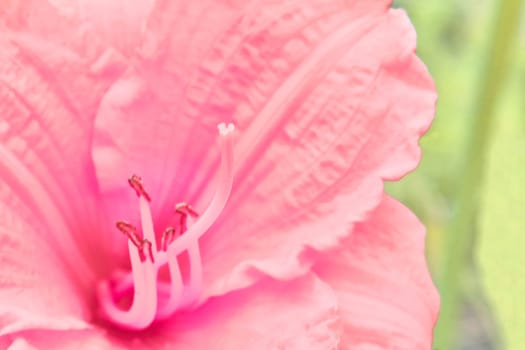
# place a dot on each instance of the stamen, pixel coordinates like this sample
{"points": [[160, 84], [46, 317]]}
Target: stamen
{"points": [[186, 209], [136, 183], [145, 213], [167, 237], [183, 222], [141, 252], [146, 221], [143, 308], [130, 231], [176, 289], [146, 248]]}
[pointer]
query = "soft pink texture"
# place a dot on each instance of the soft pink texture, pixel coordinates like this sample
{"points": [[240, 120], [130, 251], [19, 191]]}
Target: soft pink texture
{"points": [[301, 314], [294, 79], [329, 100], [371, 272]]}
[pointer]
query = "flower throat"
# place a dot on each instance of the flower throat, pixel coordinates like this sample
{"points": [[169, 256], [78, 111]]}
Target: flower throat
{"points": [[154, 299]]}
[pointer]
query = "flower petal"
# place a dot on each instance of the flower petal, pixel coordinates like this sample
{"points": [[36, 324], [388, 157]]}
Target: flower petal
{"points": [[386, 295], [36, 289], [300, 314], [328, 98], [63, 340], [50, 88], [49, 93], [307, 189]]}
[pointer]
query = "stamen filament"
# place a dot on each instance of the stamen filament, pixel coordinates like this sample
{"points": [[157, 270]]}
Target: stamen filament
{"points": [[167, 237], [142, 311], [147, 222], [177, 297], [175, 292], [146, 251]]}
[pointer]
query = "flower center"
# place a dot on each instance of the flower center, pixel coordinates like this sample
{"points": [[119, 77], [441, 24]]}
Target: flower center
{"points": [[154, 299]]}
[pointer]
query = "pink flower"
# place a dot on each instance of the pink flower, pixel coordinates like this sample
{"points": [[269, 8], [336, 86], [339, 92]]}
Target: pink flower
{"points": [[296, 247]]}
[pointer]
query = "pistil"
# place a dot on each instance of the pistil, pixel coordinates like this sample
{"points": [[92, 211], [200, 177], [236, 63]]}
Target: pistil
{"points": [[189, 240]]}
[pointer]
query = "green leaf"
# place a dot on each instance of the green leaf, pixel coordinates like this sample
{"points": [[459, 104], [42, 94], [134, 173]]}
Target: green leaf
{"points": [[461, 236], [501, 253]]}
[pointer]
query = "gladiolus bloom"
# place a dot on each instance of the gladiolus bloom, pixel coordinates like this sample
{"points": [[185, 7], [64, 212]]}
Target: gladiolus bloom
{"points": [[209, 175]]}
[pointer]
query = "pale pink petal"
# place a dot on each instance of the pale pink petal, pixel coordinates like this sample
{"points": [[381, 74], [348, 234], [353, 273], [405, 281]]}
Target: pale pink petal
{"points": [[387, 298], [19, 344], [36, 287], [48, 98], [91, 339], [50, 87], [328, 98], [307, 192], [296, 315]]}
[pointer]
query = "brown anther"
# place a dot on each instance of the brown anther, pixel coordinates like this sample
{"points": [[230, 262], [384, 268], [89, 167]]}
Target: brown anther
{"points": [[167, 237], [185, 208], [146, 248], [136, 183], [130, 231]]}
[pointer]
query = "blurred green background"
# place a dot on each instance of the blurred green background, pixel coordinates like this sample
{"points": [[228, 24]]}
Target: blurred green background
{"points": [[470, 187]]}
